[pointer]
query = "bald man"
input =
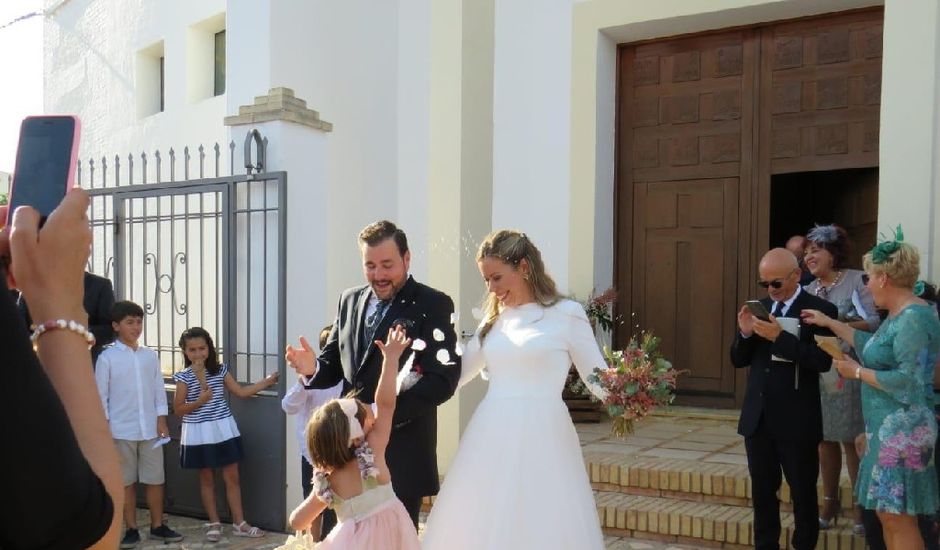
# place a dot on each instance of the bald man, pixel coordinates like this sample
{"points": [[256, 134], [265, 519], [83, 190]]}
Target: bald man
{"points": [[781, 419]]}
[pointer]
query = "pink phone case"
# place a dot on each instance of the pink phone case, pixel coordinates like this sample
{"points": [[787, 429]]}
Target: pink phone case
{"points": [[70, 180]]}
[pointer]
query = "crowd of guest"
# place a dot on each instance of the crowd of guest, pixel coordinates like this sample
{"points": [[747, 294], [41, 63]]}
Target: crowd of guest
{"points": [[871, 399]]}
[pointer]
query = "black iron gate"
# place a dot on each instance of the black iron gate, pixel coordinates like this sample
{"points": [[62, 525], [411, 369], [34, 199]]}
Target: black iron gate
{"points": [[206, 252]]}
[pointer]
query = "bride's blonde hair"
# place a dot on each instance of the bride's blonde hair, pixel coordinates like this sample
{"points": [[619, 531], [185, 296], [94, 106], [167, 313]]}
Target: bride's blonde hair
{"points": [[511, 247]]}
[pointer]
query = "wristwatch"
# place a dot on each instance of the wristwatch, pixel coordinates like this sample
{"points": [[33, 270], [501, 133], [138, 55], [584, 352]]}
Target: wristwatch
{"points": [[858, 372]]}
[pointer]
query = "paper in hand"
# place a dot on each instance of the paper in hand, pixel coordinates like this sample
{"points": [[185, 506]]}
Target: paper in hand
{"points": [[161, 441], [830, 345], [831, 381]]}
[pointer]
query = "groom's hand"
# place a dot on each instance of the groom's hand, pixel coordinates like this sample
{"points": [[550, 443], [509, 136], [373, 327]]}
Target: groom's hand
{"points": [[303, 359]]}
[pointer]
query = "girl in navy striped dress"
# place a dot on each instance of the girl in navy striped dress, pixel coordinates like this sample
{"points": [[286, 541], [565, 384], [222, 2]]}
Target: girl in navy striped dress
{"points": [[210, 436]]}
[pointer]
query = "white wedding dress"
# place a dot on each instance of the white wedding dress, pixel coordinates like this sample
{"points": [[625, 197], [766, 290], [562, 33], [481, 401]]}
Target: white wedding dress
{"points": [[518, 480]]}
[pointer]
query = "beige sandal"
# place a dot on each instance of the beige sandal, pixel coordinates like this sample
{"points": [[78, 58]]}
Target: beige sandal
{"points": [[214, 534], [244, 530]]}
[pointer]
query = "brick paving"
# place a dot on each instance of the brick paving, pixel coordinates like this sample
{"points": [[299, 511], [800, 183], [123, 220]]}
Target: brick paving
{"points": [[679, 482]]}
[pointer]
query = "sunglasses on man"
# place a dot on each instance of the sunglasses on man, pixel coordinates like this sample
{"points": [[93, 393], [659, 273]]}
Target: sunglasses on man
{"points": [[776, 283]]}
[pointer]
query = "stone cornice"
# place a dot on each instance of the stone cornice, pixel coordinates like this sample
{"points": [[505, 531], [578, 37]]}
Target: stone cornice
{"points": [[279, 104]]}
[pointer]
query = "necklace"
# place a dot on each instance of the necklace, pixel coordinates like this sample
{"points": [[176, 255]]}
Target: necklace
{"points": [[823, 291]]}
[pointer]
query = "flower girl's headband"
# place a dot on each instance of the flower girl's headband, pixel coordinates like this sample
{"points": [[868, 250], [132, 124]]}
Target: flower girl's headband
{"points": [[351, 409]]}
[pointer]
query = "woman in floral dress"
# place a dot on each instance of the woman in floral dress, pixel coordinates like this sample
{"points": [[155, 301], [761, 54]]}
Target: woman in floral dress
{"points": [[897, 477]]}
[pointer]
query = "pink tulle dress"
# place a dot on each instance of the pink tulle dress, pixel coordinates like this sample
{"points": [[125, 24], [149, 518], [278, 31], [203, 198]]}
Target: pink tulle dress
{"points": [[372, 520]]}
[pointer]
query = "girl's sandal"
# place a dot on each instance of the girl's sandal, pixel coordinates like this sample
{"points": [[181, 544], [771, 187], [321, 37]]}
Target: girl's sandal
{"points": [[244, 530], [214, 534]]}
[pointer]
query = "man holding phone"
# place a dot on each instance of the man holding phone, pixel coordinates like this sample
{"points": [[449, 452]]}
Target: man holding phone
{"points": [[781, 420]]}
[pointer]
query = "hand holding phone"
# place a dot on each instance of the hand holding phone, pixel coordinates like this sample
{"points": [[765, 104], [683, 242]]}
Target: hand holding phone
{"points": [[758, 310], [48, 264]]}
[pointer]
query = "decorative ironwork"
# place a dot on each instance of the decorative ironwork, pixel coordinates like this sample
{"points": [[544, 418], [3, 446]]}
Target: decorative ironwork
{"points": [[165, 283], [191, 254], [90, 176]]}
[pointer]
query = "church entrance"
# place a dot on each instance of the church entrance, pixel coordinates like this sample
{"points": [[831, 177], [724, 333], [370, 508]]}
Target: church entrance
{"points": [[845, 197], [729, 142]]}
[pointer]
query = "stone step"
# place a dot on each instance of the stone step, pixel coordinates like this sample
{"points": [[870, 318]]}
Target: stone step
{"points": [[684, 480], [700, 524]]}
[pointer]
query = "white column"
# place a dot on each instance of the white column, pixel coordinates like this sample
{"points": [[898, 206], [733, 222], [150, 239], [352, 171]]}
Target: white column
{"points": [[297, 144], [909, 140], [531, 125]]}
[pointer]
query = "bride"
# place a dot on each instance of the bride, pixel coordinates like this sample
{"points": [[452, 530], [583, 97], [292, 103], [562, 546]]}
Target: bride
{"points": [[518, 480]]}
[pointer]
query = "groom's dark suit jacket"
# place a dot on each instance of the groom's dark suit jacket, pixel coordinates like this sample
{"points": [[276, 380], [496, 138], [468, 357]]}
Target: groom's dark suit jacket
{"points": [[790, 413], [427, 314]]}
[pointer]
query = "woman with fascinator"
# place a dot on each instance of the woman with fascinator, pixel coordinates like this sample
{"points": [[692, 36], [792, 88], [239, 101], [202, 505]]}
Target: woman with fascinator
{"points": [[826, 253], [896, 476]]}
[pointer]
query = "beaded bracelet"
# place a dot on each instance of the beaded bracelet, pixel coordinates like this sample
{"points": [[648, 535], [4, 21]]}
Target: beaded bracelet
{"points": [[61, 324]]}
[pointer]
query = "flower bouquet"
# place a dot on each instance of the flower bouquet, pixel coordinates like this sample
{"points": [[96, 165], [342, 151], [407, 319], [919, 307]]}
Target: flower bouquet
{"points": [[598, 308], [637, 379]]}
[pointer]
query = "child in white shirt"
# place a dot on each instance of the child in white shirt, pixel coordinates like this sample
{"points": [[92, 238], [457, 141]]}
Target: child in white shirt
{"points": [[302, 402], [130, 383]]}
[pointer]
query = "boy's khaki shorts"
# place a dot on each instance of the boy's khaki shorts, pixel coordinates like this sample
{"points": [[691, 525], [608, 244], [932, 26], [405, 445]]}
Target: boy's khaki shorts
{"points": [[140, 461]]}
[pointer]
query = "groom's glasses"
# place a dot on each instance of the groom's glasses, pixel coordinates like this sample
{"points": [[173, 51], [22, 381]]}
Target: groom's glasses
{"points": [[776, 283]]}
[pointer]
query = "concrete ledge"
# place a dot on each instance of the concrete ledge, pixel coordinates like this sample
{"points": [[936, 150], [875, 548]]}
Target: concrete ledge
{"points": [[279, 104]]}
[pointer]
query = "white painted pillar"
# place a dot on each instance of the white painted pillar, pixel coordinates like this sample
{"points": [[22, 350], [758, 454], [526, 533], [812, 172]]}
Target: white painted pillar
{"points": [[909, 140], [297, 144], [531, 125]]}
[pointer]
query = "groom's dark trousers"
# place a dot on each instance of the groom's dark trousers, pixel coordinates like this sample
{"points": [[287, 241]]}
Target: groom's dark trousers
{"points": [[781, 421]]}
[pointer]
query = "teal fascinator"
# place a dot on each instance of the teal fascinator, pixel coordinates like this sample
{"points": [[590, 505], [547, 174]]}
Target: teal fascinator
{"points": [[882, 251]]}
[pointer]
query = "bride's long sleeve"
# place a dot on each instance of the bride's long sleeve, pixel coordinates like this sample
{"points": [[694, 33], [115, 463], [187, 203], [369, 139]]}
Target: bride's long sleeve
{"points": [[582, 346], [472, 361]]}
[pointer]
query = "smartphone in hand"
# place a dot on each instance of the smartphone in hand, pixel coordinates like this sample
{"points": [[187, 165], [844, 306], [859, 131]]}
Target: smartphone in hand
{"points": [[45, 163], [758, 310]]}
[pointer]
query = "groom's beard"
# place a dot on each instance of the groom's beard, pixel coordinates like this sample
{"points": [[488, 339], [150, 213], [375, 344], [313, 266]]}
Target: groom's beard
{"points": [[389, 291]]}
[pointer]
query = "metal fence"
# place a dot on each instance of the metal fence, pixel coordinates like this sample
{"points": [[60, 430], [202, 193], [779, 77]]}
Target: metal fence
{"points": [[206, 252]]}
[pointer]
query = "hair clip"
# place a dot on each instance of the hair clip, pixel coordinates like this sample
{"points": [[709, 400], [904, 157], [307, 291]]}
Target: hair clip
{"points": [[823, 234]]}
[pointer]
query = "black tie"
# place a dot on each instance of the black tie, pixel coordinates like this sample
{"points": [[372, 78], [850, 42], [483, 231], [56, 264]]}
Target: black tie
{"points": [[373, 320], [777, 309]]}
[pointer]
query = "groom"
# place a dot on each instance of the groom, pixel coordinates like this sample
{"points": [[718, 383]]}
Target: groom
{"points": [[365, 314]]}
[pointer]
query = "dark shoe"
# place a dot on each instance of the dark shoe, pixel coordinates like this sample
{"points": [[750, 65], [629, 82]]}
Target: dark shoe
{"points": [[165, 534], [131, 538]]}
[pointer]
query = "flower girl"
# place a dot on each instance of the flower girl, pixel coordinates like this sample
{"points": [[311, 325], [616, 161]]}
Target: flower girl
{"points": [[347, 444]]}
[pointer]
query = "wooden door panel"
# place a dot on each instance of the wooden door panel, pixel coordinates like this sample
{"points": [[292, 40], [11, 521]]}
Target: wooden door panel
{"points": [[685, 245], [686, 141], [821, 93], [703, 122]]}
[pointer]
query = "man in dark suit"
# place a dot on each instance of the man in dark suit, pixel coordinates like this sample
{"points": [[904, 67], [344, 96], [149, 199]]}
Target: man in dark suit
{"points": [[364, 315], [781, 420], [98, 300]]}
